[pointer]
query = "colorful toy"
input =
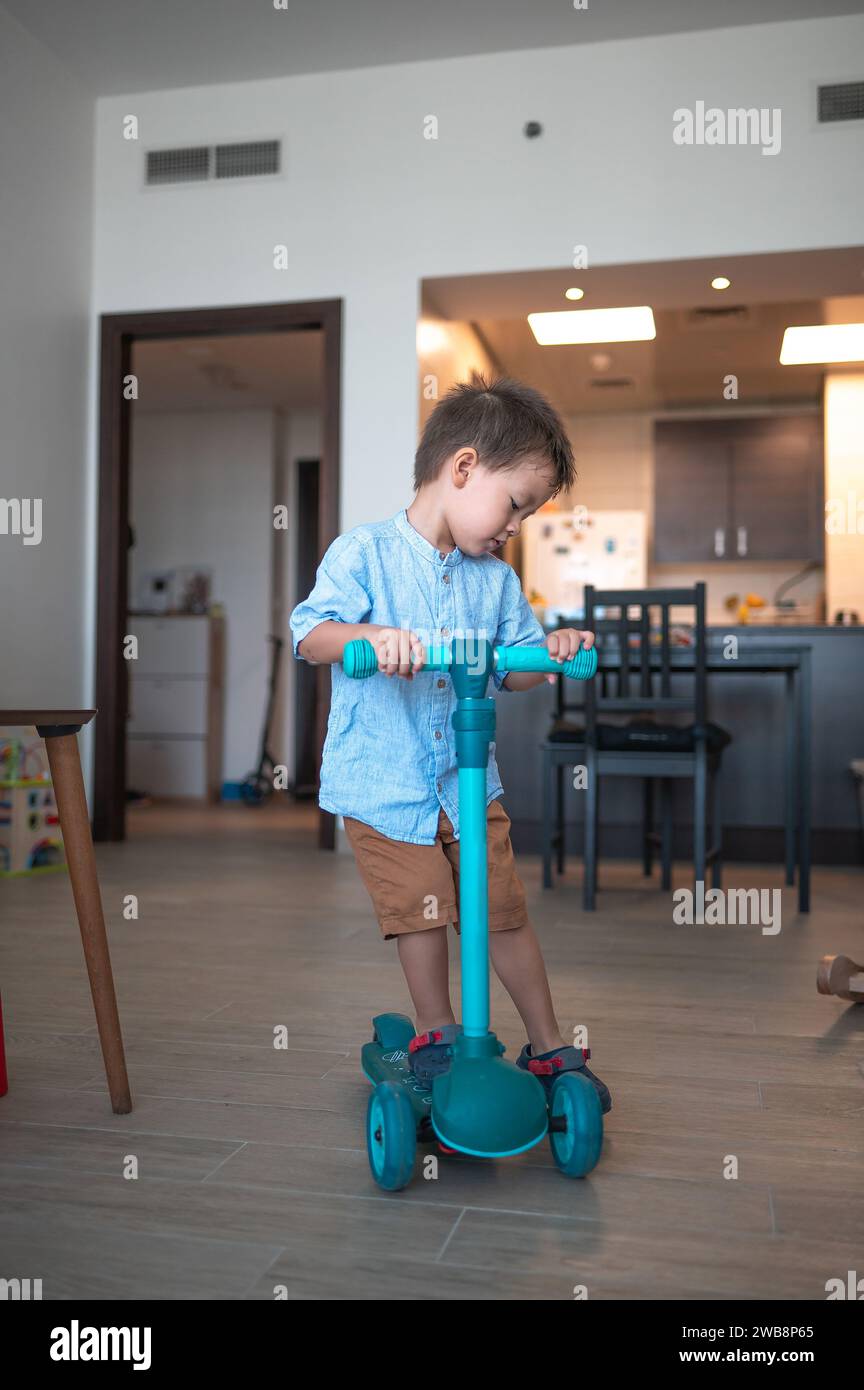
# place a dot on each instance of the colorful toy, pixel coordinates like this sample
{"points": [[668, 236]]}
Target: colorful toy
{"points": [[30, 838], [482, 1106]]}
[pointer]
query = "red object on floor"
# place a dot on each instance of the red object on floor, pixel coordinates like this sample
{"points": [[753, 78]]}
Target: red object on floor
{"points": [[4, 1084]]}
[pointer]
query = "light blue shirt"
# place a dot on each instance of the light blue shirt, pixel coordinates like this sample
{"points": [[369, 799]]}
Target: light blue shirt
{"points": [[389, 757]]}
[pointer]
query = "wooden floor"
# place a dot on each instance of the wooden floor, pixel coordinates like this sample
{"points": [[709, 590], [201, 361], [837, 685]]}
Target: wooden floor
{"points": [[252, 1171]]}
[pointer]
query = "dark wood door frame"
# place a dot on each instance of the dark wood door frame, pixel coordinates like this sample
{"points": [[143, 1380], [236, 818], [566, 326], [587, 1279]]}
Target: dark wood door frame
{"points": [[118, 333]]}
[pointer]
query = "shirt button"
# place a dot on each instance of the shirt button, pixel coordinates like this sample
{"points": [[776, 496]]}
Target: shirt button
{"points": [[438, 785], [441, 685], [445, 632], [437, 733], [446, 578]]}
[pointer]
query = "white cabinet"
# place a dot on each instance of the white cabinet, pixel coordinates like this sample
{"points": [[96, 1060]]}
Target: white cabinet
{"points": [[176, 646], [174, 705], [167, 767], [174, 728]]}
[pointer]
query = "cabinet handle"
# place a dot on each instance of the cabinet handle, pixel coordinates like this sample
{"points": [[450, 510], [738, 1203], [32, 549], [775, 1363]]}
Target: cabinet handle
{"points": [[719, 542], [742, 540]]}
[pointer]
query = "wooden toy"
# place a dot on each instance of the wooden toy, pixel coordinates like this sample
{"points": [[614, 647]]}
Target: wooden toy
{"points": [[841, 976]]}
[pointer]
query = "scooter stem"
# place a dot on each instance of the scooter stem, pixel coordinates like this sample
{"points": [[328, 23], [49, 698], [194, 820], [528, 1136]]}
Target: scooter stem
{"points": [[474, 725]]}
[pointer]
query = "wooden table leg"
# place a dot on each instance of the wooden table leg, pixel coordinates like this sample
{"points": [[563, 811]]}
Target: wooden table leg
{"points": [[65, 764]]}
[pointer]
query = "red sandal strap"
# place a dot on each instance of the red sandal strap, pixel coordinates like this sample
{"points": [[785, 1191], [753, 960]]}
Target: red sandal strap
{"points": [[554, 1064], [424, 1039], [544, 1068]]}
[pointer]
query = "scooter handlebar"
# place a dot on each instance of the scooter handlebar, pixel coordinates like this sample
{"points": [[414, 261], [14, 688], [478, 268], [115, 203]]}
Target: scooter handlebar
{"points": [[360, 660]]}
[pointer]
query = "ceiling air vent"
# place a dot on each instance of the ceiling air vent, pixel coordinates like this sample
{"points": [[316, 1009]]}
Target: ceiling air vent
{"points": [[178, 166], [719, 316], [842, 101], [204, 163], [247, 160], [611, 383]]}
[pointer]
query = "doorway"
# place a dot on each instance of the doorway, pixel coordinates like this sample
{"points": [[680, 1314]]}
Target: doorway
{"points": [[318, 498]]}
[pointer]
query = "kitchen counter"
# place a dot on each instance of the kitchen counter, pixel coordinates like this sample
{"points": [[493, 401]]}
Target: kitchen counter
{"points": [[784, 629]]}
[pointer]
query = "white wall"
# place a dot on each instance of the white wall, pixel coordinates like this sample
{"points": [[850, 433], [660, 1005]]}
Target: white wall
{"points": [[614, 457], [201, 494], [46, 155]]}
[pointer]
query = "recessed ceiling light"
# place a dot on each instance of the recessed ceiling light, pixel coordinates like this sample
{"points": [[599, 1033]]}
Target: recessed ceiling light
{"points": [[629, 325], [574, 293], [600, 361], [430, 336], [720, 283], [823, 342]]}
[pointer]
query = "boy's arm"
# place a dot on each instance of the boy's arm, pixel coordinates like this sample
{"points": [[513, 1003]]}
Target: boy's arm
{"points": [[325, 644], [517, 627], [338, 605], [522, 680], [336, 612]]}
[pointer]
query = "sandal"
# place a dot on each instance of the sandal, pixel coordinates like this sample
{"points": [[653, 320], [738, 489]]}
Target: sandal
{"points": [[429, 1053], [549, 1065]]}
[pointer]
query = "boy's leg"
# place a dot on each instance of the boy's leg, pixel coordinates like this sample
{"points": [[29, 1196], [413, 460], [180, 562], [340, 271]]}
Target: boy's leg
{"points": [[519, 966], [405, 882], [424, 959]]}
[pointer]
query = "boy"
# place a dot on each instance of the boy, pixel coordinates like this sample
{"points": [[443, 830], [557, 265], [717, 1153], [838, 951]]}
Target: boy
{"points": [[490, 455]]}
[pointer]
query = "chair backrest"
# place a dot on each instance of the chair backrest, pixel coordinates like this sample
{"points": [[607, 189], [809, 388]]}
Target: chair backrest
{"points": [[644, 675]]}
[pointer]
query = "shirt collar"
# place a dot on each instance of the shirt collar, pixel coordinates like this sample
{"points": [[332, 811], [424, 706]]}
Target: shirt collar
{"points": [[424, 547]]}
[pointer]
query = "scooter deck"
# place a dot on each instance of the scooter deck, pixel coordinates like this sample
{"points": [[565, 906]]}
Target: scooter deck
{"points": [[386, 1059]]}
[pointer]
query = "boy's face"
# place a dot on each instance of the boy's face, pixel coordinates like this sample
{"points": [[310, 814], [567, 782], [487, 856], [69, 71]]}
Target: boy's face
{"points": [[486, 507]]}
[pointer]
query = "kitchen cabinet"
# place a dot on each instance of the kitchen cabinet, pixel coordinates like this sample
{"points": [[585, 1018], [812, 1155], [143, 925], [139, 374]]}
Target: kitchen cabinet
{"points": [[734, 490]]}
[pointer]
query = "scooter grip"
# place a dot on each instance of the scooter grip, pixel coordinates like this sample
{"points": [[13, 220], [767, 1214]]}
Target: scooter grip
{"points": [[359, 659], [581, 667]]}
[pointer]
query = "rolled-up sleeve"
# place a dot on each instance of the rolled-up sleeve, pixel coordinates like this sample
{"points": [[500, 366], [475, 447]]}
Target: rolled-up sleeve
{"points": [[341, 592], [517, 624]]}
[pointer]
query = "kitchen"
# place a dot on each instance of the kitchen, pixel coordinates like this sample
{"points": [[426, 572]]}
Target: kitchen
{"points": [[719, 448]]}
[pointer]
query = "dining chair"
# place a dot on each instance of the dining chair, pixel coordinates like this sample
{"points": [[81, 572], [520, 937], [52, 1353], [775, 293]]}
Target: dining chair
{"points": [[636, 725]]}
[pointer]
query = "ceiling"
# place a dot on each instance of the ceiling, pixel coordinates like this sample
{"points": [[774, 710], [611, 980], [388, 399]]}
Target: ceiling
{"points": [[252, 371], [123, 46], [685, 365]]}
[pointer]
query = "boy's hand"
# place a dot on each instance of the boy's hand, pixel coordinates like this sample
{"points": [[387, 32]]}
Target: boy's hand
{"points": [[565, 643], [399, 651]]}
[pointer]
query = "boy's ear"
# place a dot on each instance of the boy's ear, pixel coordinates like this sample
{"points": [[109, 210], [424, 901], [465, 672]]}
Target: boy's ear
{"points": [[462, 464]]}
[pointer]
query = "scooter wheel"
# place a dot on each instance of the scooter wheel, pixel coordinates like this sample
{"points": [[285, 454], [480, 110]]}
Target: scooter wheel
{"points": [[576, 1147], [391, 1136]]}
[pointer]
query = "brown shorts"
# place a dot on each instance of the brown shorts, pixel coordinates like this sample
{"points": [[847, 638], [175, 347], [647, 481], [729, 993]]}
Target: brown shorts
{"points": [[415, 887]]}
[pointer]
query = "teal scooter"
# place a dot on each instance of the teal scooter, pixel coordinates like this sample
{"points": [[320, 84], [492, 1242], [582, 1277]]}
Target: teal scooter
{"points": [[482, 1106]]}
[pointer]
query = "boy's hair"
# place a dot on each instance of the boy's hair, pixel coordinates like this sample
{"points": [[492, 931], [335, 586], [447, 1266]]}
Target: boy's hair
{"points": [[503, 420]]}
